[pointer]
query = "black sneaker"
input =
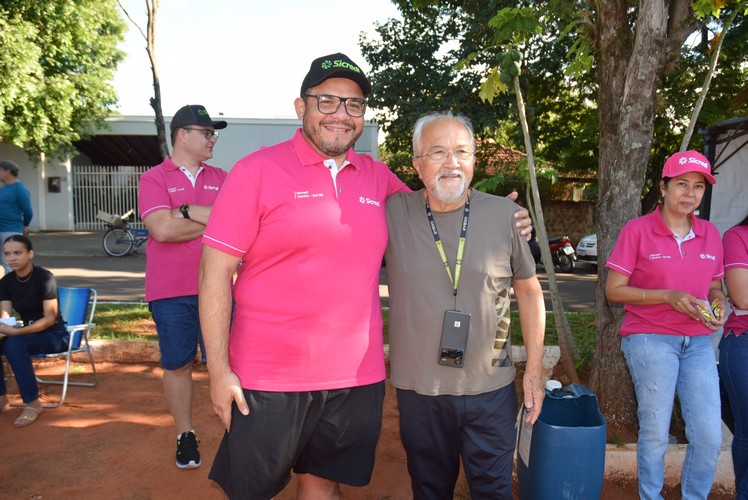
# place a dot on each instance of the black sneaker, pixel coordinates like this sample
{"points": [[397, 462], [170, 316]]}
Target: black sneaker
{"points": [[188, 456]]}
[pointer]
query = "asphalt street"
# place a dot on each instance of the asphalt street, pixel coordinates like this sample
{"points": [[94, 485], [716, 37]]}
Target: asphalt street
{"points": [[78, 259]]}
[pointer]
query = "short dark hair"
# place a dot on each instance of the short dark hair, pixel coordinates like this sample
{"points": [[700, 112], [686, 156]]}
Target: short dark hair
{"points": [[10, 167], [23, 240]]}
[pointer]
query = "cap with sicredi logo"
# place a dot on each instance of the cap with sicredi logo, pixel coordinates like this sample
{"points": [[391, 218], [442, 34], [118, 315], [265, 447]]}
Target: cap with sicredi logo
{"points": [[335, 66], [688, 161], [194, 114]]}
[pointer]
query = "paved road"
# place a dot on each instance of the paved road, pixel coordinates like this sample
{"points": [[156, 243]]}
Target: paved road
{"points": [[78, 259]]}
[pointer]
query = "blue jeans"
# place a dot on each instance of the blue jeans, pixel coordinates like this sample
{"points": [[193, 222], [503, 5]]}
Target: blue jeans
{"points": [[733, 369], [18, 350], [178, 328], [660, 367]]}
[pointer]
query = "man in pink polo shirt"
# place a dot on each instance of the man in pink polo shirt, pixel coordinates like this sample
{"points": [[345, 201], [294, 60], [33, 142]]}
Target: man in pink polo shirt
{"points": [[300, 379], [175, 200]]}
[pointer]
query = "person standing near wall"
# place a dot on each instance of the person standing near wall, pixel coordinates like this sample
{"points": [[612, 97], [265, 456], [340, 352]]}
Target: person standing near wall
{"points": [[15, 205], [175, 199]]}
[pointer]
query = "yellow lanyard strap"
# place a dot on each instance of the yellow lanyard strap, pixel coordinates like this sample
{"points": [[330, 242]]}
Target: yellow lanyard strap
{"points": [[460, 245]]}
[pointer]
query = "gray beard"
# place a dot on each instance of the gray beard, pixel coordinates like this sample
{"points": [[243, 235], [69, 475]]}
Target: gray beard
{"points": [[451, 194]]}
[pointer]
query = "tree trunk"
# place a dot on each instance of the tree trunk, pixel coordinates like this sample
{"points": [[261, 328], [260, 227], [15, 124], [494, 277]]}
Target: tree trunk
{"points": [[150, 39], [156, 99], [629, 70], [563, 330]]}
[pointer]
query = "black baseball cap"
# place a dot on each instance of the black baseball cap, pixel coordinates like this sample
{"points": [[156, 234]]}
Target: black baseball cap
{"points": [[194, 114], [335, 66], [9, 165]]}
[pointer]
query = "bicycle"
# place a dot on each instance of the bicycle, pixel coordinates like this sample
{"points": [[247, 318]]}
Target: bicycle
{"points": [[120, 240]]}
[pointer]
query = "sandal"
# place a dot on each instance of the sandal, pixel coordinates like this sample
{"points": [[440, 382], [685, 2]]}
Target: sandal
{"points": [[28, 416]]}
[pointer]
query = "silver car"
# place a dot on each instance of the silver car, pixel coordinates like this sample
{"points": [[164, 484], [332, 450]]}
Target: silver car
{"points": [[587, 249]]}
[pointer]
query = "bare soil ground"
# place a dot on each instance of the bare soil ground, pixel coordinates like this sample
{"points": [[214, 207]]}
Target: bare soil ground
{"points": [[117, 441]]}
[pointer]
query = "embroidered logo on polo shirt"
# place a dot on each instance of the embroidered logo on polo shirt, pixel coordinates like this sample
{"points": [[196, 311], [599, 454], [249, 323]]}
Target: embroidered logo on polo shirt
{"points": [[211, 188], [298, 195], [368, 201], [655, 256], [707, 256]]}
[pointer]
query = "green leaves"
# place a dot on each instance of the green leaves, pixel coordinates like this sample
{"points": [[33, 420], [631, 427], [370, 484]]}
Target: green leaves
{"points": [[704, 8], [494, 85], [57, 60], [516, 24]]}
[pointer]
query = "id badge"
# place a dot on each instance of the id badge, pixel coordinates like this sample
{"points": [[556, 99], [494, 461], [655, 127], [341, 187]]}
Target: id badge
{"points": [[454, 339]]}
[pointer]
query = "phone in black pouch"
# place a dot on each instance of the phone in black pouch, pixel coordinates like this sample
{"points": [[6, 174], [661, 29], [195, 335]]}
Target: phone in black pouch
{"points": [[454, 338]]}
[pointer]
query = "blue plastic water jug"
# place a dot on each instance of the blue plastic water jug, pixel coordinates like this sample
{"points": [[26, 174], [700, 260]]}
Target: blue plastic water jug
{"points": [[562, 456]]}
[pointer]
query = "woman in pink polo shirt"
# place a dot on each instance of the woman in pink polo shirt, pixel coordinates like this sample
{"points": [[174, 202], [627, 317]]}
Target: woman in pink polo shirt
{"points": [[733, 349], [663, 265]]}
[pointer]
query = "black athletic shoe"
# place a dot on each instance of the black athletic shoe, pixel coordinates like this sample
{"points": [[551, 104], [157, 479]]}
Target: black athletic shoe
{"points": [[188, 456]]}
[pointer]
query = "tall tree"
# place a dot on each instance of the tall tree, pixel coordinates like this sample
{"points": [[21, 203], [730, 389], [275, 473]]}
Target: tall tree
{"points": [[635, 44], [436, 57], [149, 35], [57, 62], [413, 63]]}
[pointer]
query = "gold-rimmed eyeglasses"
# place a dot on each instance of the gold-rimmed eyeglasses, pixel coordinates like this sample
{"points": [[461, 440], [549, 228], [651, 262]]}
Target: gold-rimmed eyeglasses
{"points": [[442, 156]]}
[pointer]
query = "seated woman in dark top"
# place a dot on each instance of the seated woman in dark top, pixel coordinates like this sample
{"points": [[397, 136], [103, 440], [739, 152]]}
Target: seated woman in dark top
{"points": [[32, 292]]}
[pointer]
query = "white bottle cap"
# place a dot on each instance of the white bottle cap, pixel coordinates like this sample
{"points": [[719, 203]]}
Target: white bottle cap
{"points": [[552, 385]]}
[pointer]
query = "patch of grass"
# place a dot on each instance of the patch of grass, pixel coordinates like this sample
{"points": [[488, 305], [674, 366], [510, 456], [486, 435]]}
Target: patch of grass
{"points": [[134, 322], [123, 322], [582, 329], [615, 439]]}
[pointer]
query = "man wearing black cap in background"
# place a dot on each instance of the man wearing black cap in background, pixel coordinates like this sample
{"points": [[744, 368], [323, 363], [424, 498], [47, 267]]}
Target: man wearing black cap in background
{"points": [[300, 380], [15, 205], [175, 200]]}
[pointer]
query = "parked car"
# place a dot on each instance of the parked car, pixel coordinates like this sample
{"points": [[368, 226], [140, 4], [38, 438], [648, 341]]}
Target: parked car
{"points": [[587, 249]]}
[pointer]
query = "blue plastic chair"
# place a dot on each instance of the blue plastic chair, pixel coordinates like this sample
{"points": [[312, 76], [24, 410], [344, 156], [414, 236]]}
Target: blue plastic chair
{"points": [[77, 306]]}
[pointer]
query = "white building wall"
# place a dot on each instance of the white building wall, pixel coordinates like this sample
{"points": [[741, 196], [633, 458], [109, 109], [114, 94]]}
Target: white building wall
{"points": [[730, 193], [241, 137], [54, 211]]}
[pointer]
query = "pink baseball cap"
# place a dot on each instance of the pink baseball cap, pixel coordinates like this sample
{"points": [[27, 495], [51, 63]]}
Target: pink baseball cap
{"points": [[688, 161]]}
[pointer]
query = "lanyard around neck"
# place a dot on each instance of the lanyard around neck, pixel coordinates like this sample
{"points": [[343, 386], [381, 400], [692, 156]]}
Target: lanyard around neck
{"points": [[460, 244]]}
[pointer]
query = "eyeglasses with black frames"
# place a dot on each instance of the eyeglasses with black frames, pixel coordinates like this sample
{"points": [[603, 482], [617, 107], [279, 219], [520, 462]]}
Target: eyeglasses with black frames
{"points": [[330, 104], [442, 156], [208, 133]]}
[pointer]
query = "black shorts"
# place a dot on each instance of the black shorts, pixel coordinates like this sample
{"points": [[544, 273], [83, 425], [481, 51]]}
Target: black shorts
{"points": [[329, 434]]}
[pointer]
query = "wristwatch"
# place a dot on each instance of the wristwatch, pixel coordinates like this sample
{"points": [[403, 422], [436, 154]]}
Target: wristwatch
{"points": [[185, 211]]}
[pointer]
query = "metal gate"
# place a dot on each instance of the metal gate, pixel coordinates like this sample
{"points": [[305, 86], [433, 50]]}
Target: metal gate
{"points": [[111, 189]]}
